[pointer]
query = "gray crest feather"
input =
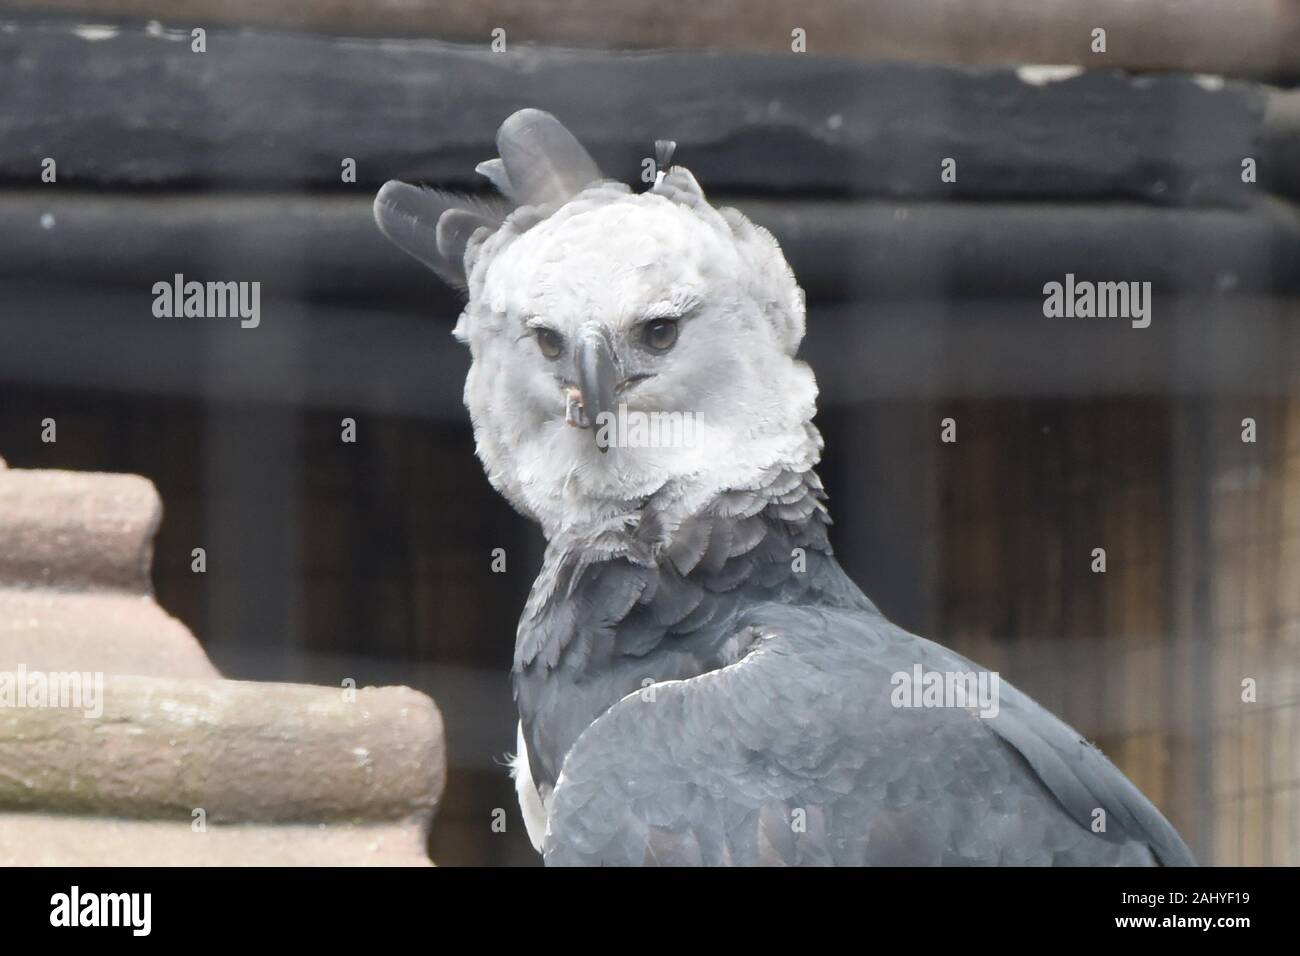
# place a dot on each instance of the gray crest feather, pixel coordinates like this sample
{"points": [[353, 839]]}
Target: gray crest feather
{"points": [[434, 226], [455, 229], [679, 185], [664, 150], [542, 161], [495, 172]]}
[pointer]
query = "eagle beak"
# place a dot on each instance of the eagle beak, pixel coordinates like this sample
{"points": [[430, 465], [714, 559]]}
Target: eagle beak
{"points": [[596, 373]]}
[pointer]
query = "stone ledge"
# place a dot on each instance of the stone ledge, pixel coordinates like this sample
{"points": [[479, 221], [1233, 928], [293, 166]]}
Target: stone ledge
{"points": [[48, 629], [242, 752], [72, 530], [42, 839], [284, 774]]}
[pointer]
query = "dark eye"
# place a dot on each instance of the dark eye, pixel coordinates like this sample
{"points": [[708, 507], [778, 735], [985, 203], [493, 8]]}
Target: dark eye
{"points": [[550, 342], [660, 334]]}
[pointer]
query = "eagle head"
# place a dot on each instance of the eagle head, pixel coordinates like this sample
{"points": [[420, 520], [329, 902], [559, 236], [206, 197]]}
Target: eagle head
{"points": [[625, 346]]}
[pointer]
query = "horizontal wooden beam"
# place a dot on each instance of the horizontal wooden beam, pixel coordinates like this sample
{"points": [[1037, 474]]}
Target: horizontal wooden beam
{"points": [[130, 107], [359, 361], [1234, 346], [923, 299], [1252, 37], [326, 248]]}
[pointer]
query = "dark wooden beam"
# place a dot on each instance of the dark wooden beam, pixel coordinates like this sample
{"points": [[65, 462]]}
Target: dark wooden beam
{"points": [[1281, 142], [326, 248], [275, 110], [355, 360]]}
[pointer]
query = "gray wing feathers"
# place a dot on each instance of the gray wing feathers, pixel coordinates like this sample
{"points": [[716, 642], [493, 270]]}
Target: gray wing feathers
{"points": [[794, 756], [1083, 780]]}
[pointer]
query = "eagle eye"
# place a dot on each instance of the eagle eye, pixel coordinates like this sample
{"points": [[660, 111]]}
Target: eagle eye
{"points": [[550, 342], [660, 334]]}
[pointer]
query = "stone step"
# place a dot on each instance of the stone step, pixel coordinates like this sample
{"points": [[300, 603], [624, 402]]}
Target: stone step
{"points": [[164, 748], [118, 737], [44, 839], [76, 530], [111, 632]]}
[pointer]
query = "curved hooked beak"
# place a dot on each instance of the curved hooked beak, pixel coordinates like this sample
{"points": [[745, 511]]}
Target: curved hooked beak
{"points": [[596, 372]]}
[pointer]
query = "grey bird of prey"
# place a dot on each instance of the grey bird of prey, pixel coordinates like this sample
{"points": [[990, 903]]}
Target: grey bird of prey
{"points": [[698, 680]]}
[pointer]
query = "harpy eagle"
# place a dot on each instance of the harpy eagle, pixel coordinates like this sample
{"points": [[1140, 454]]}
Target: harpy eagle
{"points": [[698, 680]]}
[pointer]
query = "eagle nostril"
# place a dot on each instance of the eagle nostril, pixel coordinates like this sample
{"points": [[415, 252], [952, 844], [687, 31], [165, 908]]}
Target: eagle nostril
{"points": [[574, 414]]}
